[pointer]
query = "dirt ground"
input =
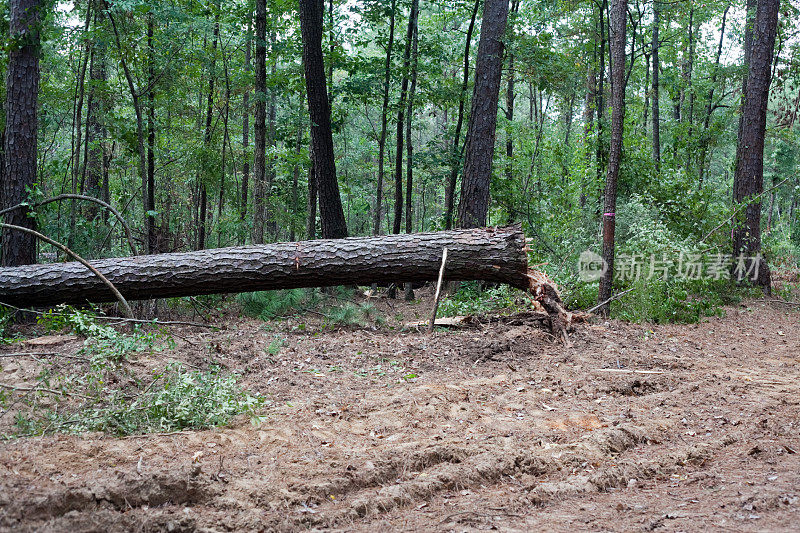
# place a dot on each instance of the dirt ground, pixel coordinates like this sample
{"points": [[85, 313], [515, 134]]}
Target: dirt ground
{"points": [[491, 427]]}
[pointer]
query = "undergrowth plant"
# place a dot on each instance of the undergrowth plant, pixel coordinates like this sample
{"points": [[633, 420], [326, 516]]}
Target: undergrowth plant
{"points": [[102, 393]]}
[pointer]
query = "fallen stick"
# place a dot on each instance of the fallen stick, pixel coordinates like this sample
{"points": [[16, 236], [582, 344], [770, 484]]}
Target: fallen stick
{"points": [[438, 291]]}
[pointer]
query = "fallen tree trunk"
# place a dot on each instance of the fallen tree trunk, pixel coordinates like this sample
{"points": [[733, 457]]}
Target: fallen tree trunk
{"points": [[491, 254]]}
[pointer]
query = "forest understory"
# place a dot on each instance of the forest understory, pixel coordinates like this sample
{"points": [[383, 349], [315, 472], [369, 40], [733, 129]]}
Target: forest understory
{"points": [[493, 425]]}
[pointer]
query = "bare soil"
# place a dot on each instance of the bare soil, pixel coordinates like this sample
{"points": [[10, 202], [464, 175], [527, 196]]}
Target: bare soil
{"points": [[495, 426]]}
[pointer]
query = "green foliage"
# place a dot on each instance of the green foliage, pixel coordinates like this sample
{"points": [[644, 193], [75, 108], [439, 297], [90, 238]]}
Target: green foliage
{"points": [[680, 300], [469, 299], [270, 304], [113, 399]]}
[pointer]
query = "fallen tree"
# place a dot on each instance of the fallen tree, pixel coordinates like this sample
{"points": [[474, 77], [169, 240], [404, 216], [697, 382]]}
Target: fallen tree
{"points": [[491, 254]]}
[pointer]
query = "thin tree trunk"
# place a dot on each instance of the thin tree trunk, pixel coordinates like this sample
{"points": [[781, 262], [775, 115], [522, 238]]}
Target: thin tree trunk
{"points": [[384, 121], [473, 207], [617, 35], [269, 216], [510, 118], [95, 129], [152, 244], [401, 109], [450, 189], [137, 108], [246, 133], [78, 128], [409, 291], [704, 138], [656, 66], [225, 118], [311, 221], [296, 169], [212, 76]]}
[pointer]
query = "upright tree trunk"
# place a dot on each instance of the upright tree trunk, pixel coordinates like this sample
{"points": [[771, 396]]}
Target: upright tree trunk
{"points": [[510, 118], [137, 109], [246, 132], [384, 122], [212, 76], [401, 109], [409, 291], [450, 188], [334, 225], [152, 244], [225, 118], [656, 66], [80, 90], [748, 180], [588, 125], [296, 169], [95, 128], [473, 207], [617, 35], [311, 220], [22, 90], [269, 217], [260, 126]]}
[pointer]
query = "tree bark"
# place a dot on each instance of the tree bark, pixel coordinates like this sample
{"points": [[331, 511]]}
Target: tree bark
{"points": [[748, 180], [488, 254], [617, 35], [334, 225], [450, 188], [22, 90], [473, 207], [260, 124]]}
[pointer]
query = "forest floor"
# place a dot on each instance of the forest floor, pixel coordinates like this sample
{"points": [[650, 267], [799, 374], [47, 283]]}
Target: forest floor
{"points": [[494, 426]]}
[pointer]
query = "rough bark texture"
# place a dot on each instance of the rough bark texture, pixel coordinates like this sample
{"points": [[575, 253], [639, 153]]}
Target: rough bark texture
{"points": [[260, 124], [748, 181], [473, 207], [22, 89], [617, 36], [493, 254], [331, 212]]}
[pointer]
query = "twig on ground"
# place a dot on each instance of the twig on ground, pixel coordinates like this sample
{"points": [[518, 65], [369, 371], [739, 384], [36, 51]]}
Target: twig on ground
{"points": [[40, 389]]}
